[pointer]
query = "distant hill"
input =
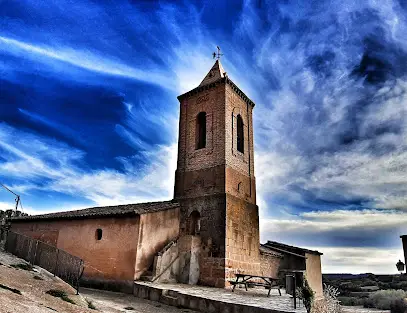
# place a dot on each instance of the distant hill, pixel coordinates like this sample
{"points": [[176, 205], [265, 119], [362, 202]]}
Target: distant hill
{"points": [[349, 276]]}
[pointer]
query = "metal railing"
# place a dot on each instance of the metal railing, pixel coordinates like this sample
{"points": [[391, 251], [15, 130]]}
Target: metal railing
{"points": [[59, 262]]}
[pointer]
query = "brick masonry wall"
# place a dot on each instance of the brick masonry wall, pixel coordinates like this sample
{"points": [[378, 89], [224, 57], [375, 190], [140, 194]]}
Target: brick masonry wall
{"points": [[212, 272], [212, 210], [269, 265], [218, 182], [242, 237], [241, 163], [212, 102]]}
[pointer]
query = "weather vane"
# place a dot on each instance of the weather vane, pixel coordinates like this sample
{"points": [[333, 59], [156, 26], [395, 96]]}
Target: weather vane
{"points": [[217, 55]]}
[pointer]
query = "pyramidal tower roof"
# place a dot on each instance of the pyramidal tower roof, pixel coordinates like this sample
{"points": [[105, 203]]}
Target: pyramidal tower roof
{"points": [[214, 74]]}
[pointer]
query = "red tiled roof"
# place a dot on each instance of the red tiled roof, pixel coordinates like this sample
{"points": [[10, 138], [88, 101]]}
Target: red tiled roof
{"points": [[117, 210]]}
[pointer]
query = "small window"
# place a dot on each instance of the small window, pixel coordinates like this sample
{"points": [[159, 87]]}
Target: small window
{"points": [[98, 234], [240, 134], [201, 130]]}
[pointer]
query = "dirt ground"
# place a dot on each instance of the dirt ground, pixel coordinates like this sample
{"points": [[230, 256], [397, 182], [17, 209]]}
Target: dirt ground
{"points": [[33, 297]]}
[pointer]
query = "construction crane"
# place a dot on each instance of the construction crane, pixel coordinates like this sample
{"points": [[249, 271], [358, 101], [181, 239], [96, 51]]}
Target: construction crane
{"points": [[17, 199]]}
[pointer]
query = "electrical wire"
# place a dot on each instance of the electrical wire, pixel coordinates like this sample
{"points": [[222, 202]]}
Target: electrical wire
{"points": [[9, 190]]}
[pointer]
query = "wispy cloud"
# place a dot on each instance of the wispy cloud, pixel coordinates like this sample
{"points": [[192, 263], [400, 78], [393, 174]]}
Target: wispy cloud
{"points": [[350, 228], [53, 167], [84, 59]]}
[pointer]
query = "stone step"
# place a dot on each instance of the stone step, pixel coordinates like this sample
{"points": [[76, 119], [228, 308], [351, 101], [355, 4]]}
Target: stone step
{"points": [[172, 293], [169, 297]]}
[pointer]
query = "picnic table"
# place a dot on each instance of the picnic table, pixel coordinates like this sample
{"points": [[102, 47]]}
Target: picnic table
{"points": [[247, 279]]}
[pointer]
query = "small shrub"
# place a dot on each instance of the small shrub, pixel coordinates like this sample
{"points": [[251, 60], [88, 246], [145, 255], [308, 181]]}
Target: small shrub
{"points": [[90, 305], [10, 289], [60, 294], [398, 306], [384, 298], [23, 266], [37, 277], [330, 303]]}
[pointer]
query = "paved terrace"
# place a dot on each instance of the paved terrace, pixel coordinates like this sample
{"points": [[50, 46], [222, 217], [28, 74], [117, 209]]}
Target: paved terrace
{"points": [[208, 300]]}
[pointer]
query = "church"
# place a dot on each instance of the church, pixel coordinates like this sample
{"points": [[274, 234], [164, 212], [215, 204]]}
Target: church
{"points": [[208, 232]]}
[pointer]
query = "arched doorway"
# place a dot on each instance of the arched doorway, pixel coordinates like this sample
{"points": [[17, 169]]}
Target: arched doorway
{"points": [[194, 223]]}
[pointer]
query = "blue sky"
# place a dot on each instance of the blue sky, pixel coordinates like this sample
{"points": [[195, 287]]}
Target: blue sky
{"points": [[89, 114]]}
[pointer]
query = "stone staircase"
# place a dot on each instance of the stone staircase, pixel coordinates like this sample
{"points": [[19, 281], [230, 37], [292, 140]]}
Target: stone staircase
{"points": [[169, 297]]}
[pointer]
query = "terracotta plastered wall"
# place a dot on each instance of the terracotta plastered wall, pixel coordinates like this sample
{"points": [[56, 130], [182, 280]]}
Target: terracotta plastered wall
{"points": [[112, 258], [155, 232], [45, 231], [313, 273]]}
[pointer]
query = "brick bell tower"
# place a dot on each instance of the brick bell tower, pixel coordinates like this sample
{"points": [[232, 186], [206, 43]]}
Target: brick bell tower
{"points": [[214, 180]]}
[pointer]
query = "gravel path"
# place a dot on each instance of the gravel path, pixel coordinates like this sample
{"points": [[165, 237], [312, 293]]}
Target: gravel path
{"points": [[113, 302]]}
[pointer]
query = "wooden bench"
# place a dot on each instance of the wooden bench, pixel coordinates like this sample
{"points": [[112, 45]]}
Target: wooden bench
{"points": [[247, 280]]}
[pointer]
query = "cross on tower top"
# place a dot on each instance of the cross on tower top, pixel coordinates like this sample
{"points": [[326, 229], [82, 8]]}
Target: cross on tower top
{"points": [[218, 54]]}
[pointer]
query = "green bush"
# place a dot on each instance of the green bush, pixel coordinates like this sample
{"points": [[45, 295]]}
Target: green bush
{"points": [[398, 306], [383, 299], [60, 294], [351, 301], [306, 294], [23, 266]]}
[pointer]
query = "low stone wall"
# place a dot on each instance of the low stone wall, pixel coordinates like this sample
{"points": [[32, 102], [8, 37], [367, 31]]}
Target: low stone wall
{"points": [[201, 302]]}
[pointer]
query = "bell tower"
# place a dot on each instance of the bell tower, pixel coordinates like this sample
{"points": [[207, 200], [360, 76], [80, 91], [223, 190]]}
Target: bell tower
{"points": [[214, 180]]}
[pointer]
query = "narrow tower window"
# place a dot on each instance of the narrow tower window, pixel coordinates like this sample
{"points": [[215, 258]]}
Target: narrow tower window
{"points": [[240, 134], [201, 130]]}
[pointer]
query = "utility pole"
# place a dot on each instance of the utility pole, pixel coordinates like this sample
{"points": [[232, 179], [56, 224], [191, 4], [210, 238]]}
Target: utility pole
{"points": [[17, 199]]}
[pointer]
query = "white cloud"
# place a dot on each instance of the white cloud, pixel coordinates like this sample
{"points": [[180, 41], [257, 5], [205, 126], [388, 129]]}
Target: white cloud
{"points": [[38, 159], [359, 260], [335, 221], [85, 59]]}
